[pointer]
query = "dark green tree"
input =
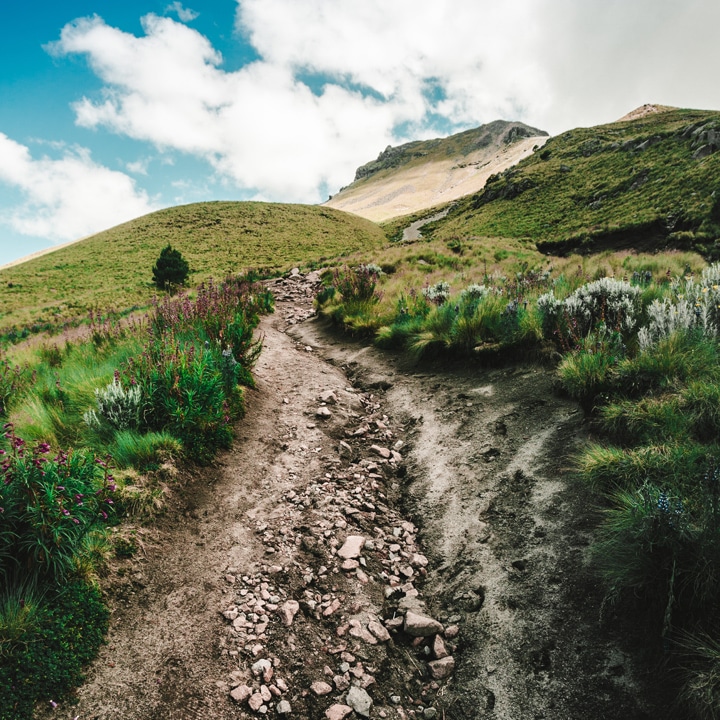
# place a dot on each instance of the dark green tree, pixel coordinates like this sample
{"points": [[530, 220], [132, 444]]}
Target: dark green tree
{"points": [[170, 269]]}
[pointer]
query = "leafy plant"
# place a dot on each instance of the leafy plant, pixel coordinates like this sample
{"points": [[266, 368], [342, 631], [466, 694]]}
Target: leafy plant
{"points": [[48, 506], [116, 406]]}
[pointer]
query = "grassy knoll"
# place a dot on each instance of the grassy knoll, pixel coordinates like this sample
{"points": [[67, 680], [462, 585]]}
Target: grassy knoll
{"points": [[640, 183], [113, 269]]}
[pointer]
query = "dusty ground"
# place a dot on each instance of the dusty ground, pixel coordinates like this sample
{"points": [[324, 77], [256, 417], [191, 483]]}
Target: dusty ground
{"points": [[452, 480]]}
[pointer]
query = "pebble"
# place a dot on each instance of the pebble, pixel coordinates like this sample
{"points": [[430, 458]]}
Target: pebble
{"points": [[287, 612], [420, 625], [359, 701], [352, 547], [443, 668], [321, 688], [338, 712], [284, 708], [241, 693]]}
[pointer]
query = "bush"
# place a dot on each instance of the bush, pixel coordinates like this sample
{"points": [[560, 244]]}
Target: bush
{"points": [[45, 660], [170, 269], [48, 506], [116, 406]]}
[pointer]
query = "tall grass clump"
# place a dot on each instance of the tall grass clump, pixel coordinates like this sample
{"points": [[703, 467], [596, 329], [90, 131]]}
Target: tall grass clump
{"points": [[351, 298]]}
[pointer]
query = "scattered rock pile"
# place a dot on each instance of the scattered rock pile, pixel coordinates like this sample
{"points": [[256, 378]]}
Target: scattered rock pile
{"points": [[333, 623], [294, 294]]}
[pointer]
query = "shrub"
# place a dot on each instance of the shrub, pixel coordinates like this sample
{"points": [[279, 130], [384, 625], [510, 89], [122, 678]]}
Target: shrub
{"points": [[46, 658], [609, 302], [116, 406], [48, 506], [437, 294], [170, 269]]}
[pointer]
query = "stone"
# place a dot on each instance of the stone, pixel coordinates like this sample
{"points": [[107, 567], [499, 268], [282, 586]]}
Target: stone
{"points": [[323, 412], [287, 612], [345, 451], [256, 701], [265, 693], [328, 397], [358, 631], [241, 693], [359, 701], [261, 666], [352, 547], [452, 631], [379, 631], [383, 452], [321, 688], [429, 713], [443, 668], [418, 625], [439, 649], [342, 682], [284, 708], [350, 565], [338, 711]]}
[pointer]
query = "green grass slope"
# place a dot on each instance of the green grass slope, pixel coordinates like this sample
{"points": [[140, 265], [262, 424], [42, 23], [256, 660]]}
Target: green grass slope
{"points": [[642, 184], [114, 268]]}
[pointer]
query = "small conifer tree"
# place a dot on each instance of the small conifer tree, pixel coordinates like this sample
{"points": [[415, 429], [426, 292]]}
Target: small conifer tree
{"points": [[170, 269]]}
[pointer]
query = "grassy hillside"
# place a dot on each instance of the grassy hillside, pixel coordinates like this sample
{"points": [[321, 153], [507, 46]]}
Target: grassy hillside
{"points": [[639, 184], [114, 268]]}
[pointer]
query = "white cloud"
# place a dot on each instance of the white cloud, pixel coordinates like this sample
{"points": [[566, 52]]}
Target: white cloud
{"points": [[382, 73], [185, 14], [266, 130], [69, 197]]}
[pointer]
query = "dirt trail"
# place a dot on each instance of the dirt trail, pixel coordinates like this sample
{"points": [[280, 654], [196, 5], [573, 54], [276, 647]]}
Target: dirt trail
{"points": [[253, 601]]}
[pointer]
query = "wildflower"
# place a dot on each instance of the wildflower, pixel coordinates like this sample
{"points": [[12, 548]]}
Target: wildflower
{"points": [[663, 503]]}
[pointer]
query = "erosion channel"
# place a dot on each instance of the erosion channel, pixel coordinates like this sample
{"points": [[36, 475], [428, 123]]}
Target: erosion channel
{"points": [[383, 541]]}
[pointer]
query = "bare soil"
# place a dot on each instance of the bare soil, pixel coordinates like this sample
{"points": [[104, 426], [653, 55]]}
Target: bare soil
{"points": [[455, 477]]}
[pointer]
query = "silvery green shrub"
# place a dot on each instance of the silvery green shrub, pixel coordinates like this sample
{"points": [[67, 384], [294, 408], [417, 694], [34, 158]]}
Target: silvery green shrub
{"points": [[695, 306], [437, 294], [474, 292], [119, 407], [610, 302]]}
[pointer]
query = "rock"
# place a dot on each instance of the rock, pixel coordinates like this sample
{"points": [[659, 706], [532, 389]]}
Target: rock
{"points": [[323, 412], [420, 625], [358, 631], [287, 612], [261, 666], [345, 450], [321, 688], [342, 683], [439, 649], [338, 712], [443, 668], [329, 397], [383, 452], [352, 547], [379, 631], [284, 708], [256, 701], [350, 565], [359, 701], [241, 693], [452, 631], [429, 713], [265, 693]]}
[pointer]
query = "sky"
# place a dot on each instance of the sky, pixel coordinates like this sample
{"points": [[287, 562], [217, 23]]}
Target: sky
{"points": [[110, 110]]}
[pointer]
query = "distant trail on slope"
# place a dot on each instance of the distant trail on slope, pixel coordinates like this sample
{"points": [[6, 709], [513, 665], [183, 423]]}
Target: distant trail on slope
{"points": [[412, 231]]}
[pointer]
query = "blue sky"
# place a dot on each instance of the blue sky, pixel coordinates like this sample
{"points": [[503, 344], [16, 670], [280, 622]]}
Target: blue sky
{"points": [[110, 110]]}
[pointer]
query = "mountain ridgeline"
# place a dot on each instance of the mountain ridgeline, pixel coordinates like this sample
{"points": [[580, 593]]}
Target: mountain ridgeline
{"points": [[497, 133], [645, 184]]}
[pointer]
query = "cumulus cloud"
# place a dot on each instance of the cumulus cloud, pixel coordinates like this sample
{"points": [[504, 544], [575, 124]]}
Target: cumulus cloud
{"points": [[185, 14], [335, 83], [69, 197]]}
